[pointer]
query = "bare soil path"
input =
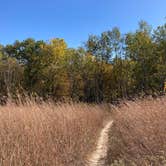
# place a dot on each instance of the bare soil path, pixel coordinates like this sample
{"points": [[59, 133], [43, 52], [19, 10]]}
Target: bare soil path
{"points": [[97, 158]]}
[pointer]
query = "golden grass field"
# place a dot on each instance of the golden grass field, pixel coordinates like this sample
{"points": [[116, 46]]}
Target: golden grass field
{"points": [[65, 134], [48, 134], [138, 135]]}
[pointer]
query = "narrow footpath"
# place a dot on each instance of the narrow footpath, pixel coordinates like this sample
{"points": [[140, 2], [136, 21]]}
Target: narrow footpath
{"points": [[97, 158]]}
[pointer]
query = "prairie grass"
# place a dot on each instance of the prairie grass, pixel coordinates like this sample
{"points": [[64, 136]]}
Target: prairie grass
{"points": [[138, 135], [47, 134]]}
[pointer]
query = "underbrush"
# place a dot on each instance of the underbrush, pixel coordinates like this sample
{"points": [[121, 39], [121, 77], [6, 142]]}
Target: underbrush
{"points": [[48, 134], [138, 135]]}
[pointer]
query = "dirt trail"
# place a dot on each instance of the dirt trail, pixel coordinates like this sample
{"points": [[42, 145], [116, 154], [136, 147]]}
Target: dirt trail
{"points": [[98, 156]]}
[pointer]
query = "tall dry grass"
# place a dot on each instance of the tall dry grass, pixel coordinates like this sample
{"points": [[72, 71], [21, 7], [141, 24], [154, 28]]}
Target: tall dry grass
{"points": [[47, 134], [138, 135]]}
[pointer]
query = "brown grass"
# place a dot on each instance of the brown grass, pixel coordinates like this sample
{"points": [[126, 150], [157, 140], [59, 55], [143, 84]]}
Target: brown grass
{"points": [[138, 135], [48, 134]]}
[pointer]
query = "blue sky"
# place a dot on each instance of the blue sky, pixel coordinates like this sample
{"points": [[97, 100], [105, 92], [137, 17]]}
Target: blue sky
{"points": [[74, 20]]}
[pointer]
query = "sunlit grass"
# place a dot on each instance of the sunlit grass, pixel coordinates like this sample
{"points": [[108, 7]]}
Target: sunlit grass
{"points": [[48, 134], [138, 135]]}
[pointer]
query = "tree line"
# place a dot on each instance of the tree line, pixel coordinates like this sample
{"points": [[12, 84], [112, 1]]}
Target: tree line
{"points": [[108, 67]]}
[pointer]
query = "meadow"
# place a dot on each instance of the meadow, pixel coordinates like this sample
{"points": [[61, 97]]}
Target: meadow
{"points": [[138, 135], [66, 134], [47, 134]]}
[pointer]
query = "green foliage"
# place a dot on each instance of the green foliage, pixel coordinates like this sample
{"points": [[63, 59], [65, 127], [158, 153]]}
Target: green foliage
{"points": [[107, 45], [141, 49], [110, 67]]}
